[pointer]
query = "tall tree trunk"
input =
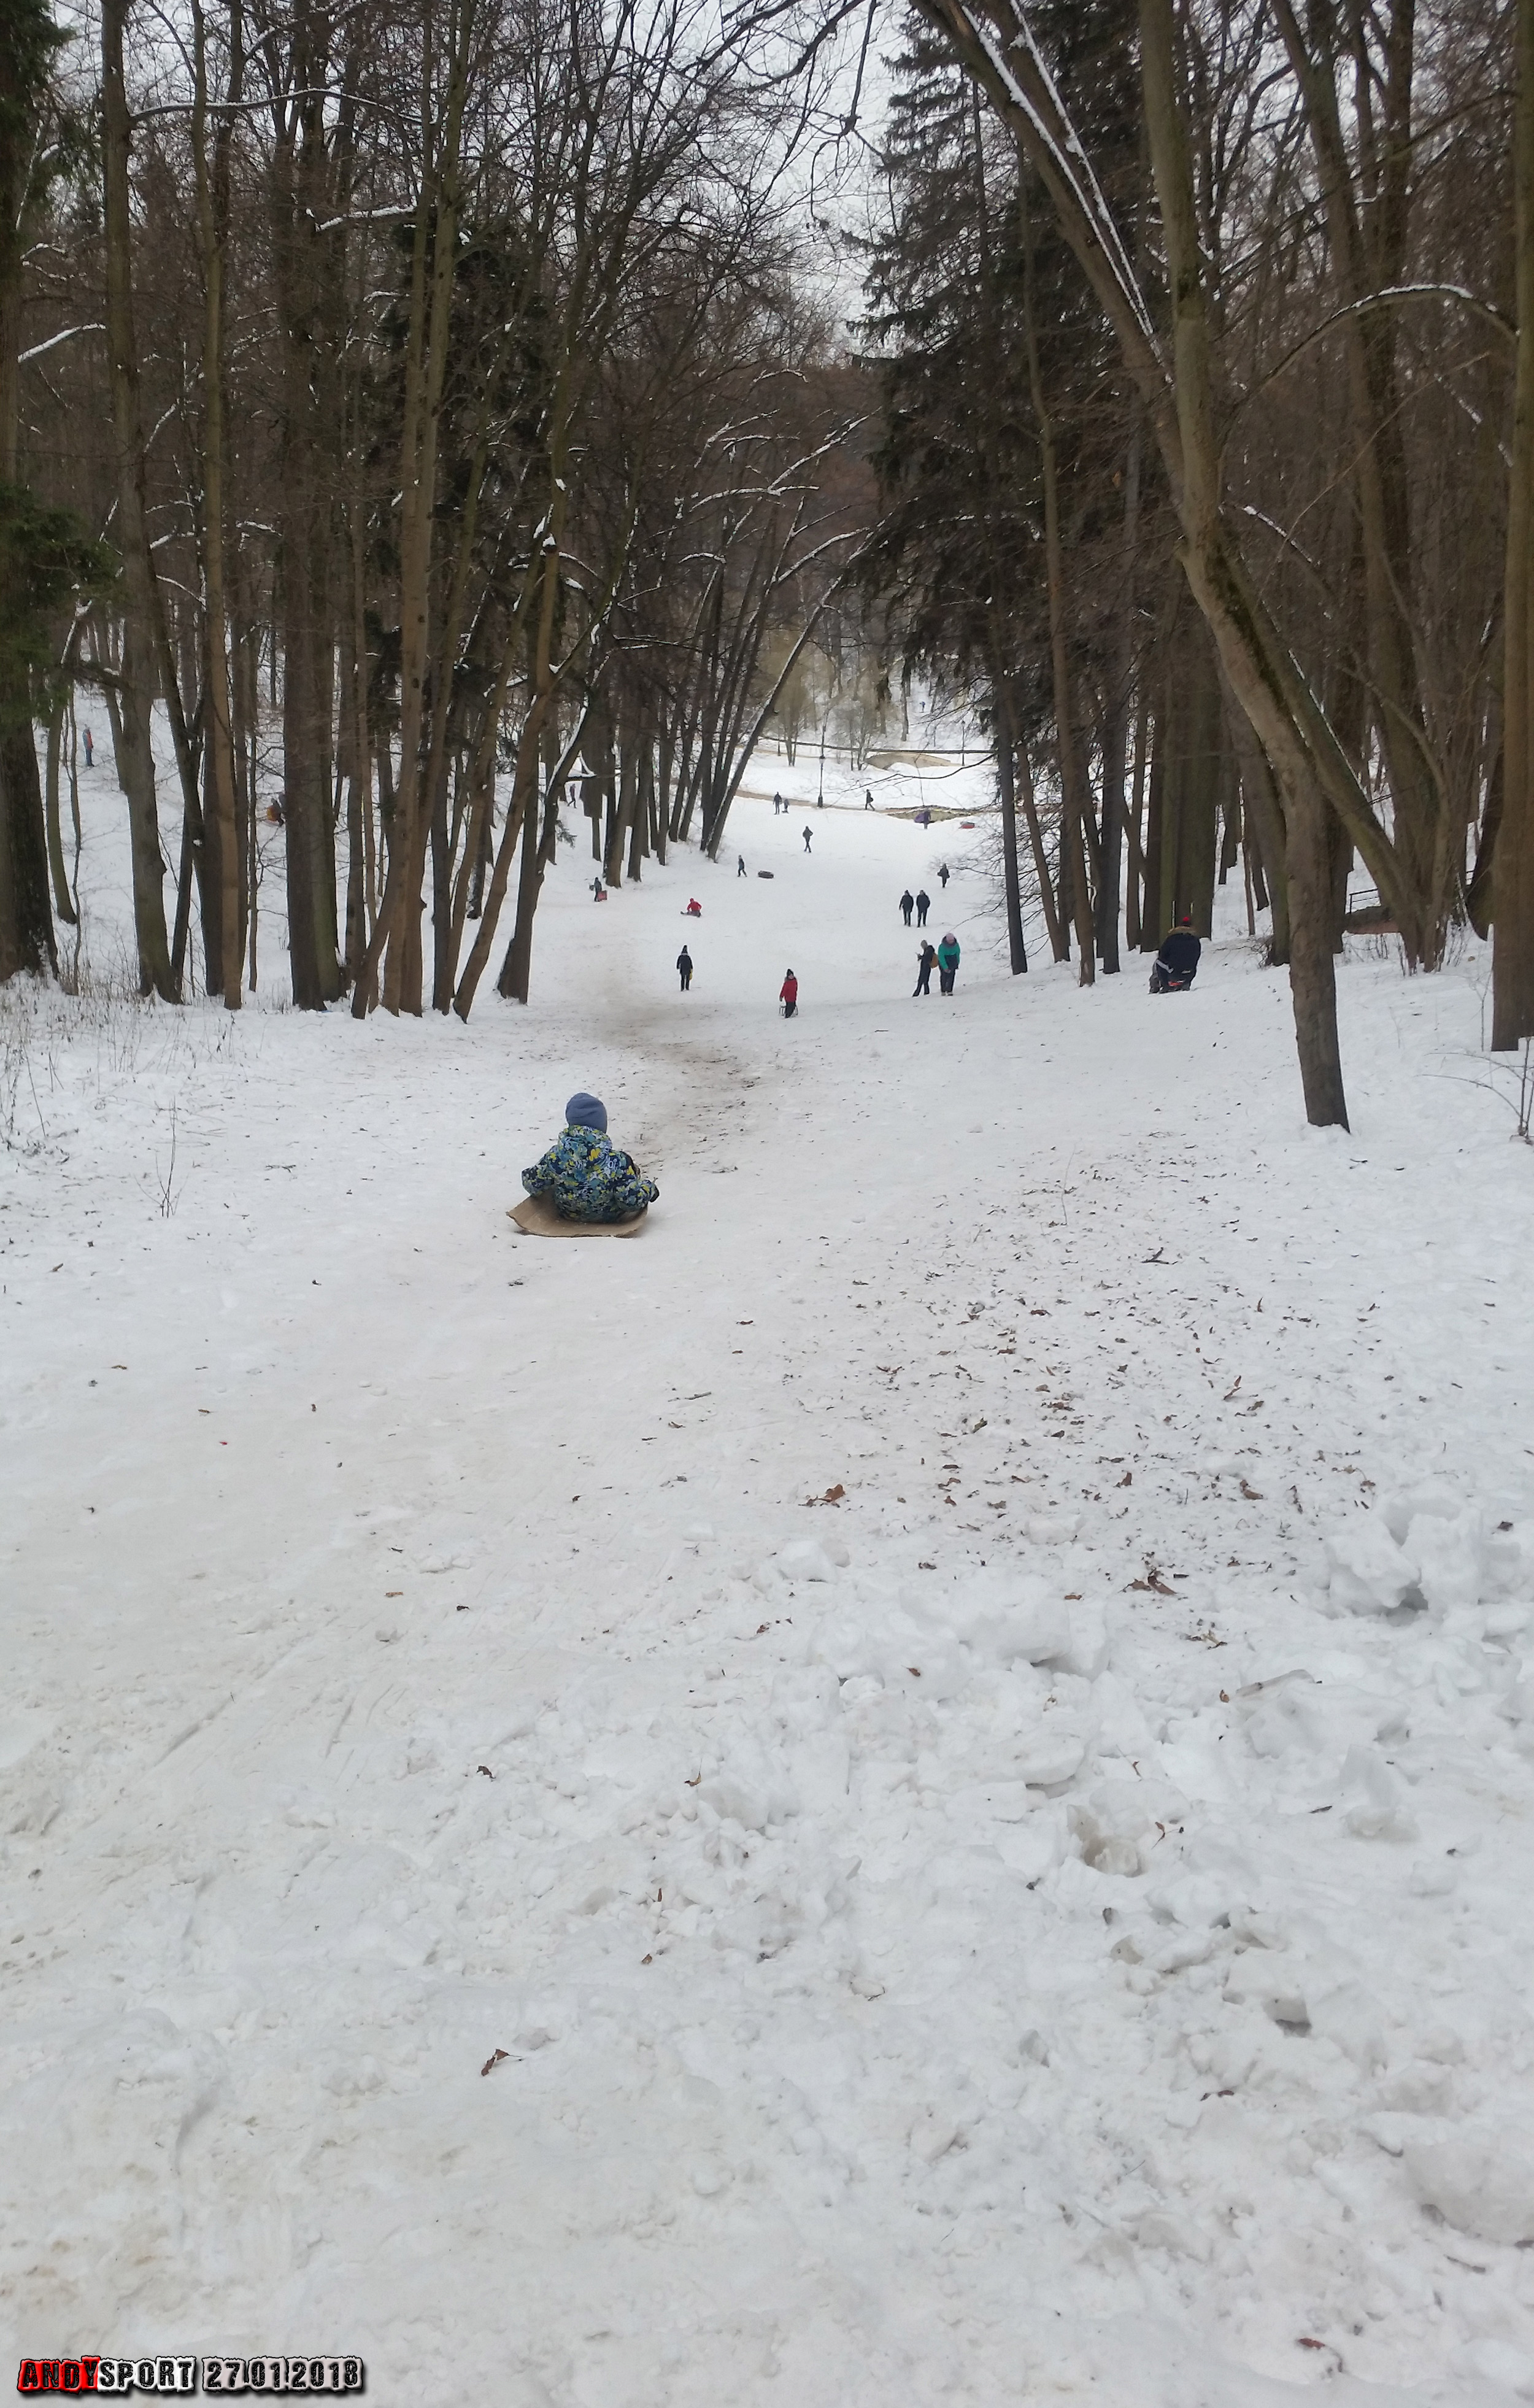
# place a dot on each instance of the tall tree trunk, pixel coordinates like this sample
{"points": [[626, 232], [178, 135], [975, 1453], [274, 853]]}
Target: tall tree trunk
{"points": [[432, 261], [222, 949], [131, 726], [1115, 726], [1074, 801], [1513, 868], [301, 190], [26, 923], [64, 901], [1216, 573], [1192, 751], [1134, 904], [1017, 951], [1369, 257]]}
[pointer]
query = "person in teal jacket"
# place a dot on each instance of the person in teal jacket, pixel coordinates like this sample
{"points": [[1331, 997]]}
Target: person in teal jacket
{"points": [[948, 962], [587, 1178]]}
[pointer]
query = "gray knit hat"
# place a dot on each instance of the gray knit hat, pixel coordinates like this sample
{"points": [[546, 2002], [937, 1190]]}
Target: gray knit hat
{"points": [[585, 1111]]}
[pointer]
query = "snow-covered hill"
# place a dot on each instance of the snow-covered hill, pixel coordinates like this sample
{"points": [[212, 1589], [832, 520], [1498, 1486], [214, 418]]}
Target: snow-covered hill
{"points": [[501, 1877]]}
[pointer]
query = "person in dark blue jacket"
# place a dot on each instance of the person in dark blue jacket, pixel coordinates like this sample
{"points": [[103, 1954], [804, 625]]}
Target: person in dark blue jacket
{"points": [[586, 1178], [1177, 963]]}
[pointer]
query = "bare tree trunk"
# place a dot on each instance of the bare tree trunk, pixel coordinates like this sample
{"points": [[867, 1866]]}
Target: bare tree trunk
{"points": [[1074, 801], [223, 950], [1512, 871], [432, 261], [1219, 586], [1115, 727], [1017, 951], [525, 777], [1383, 525], [1134, 900], [130, 716], [1023, 767], [64, 901], [26, 923]]}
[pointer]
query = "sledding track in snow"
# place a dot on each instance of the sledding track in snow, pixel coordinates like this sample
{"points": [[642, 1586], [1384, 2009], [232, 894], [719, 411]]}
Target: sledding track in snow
{"points": [[424, 1646]]}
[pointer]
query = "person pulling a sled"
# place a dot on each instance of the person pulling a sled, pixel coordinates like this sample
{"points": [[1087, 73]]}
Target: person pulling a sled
{"points": [[587, 1178], [788, 996], [1177, 963]]}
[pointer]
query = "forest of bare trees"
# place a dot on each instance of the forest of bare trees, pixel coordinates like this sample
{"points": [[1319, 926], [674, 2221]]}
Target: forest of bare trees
{"points": [[421, 417]]}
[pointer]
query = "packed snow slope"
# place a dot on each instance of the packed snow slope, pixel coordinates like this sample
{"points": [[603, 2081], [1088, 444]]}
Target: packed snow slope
{"points": [[500, 1879]]}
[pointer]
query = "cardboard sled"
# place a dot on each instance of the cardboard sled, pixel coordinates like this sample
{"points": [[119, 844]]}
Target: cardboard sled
{"points": [[536, 1217]]}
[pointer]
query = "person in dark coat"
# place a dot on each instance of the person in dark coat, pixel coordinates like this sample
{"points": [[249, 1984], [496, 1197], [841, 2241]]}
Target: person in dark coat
{"points": [[788, 996], [1177, 963], [927, 962], [684, 964], [807, 836], [908, 905], [924, 905], [739, 865], [942, 877]]}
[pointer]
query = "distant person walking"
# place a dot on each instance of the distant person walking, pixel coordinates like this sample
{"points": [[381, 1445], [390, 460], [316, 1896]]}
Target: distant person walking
{"points": [[684, 964], [90, 747], [867, 798], [927, 962], [942, 877], [598, 891], [778, 805], [807, 836], [739, 865], [924, 905], [788, 996], [948, 962], [908, 905]]}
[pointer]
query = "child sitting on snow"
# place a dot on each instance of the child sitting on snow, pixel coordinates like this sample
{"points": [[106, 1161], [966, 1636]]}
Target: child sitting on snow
{"points": [[586, 1178]]}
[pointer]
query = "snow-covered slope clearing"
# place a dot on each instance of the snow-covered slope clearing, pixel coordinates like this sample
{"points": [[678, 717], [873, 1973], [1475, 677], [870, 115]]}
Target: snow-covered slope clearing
{"points": [[1053, 1922]]}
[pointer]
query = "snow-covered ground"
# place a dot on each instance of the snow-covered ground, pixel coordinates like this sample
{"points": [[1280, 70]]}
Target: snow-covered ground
{"points": [[1051, 1924]]}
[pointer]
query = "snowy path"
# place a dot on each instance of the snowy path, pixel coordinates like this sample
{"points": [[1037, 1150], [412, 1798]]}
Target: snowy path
{"points": [[929, 1965]]}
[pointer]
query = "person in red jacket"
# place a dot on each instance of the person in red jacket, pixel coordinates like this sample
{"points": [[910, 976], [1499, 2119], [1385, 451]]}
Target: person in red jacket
{"points": [[788, 996]]}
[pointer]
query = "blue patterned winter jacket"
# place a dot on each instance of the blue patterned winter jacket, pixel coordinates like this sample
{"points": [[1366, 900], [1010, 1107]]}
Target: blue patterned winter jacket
{"points": [[590, 1179]]}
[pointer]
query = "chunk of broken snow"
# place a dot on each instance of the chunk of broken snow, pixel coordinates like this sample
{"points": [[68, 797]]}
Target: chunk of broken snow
{"points": [[1480, 2183], [805, 1559], [1261, 1978], [1049, 1753], [1368, 1573], [1378, 1810], [752, 1790], [1119, 1822]]}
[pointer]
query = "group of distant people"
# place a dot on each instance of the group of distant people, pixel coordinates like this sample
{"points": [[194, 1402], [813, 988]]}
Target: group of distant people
{"points": [[921, 903], [1175, 969]]}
